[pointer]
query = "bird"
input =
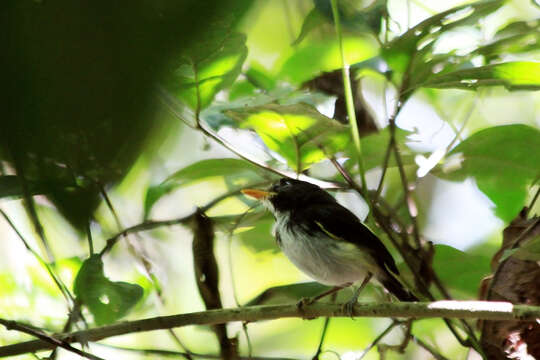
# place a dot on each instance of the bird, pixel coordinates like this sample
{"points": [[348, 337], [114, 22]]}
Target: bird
{"points": [[326, 241]]}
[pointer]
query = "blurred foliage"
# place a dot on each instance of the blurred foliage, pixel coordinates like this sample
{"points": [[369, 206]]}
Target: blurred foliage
{"points": [[81, 120]]}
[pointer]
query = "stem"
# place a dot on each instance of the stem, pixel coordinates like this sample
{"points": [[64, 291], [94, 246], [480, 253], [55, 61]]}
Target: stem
{"points": [[377, 339], [349, 101]]}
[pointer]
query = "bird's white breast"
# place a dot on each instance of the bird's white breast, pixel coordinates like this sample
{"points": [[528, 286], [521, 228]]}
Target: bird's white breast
{"points": [[319, 256]]}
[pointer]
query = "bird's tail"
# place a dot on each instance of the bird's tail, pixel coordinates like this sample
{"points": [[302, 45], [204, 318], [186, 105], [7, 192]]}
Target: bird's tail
{"points": [[395, 287]]}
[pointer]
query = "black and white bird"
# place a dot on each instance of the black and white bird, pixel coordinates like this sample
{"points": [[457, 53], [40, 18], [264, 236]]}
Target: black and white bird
{"points": [[325, 240]]}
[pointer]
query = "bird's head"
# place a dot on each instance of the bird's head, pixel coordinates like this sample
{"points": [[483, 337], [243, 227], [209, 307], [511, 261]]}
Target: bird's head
{"points": [[288, 194]]}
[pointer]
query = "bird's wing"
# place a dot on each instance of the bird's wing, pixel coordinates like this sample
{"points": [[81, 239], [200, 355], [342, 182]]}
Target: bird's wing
{"points": [[341, 224]]}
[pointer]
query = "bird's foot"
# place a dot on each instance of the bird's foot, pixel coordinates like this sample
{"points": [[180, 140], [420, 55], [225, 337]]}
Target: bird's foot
{"points": [[305, 301], [300, 305]]}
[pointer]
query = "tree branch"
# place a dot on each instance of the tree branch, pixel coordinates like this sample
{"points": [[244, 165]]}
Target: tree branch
{"points": [[51, 341], [487, 310]]}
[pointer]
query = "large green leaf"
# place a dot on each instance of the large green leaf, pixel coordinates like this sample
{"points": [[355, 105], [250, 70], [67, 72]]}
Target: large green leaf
{"points": [[298, 132], [460, 271], [518, 75], [504, 160], [236, 174], [317, 57], [108, 301], [212, 65]]}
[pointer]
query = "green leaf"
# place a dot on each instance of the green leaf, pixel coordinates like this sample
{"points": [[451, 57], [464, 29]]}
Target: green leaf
{"points": [[460, 271], [108, 301], [317, 57], [518, 75], [312, 20], [504, 160], [297, 132], [236, 174], [260, 77], [213, 65]]}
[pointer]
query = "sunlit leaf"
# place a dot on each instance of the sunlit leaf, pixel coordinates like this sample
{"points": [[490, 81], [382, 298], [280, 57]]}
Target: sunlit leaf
{"points": [[208, 68], [519, 75], [315, 58], [504, 160], [460, 271], [312, 20], [297, 132], [108, 301], [236, 174]]}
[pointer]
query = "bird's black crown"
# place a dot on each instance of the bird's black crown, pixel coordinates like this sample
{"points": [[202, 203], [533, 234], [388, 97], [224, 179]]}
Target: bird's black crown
{"points": [[289, 194]]}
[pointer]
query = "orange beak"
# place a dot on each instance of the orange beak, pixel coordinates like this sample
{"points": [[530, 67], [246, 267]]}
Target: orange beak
{"points": [[255, 193]]}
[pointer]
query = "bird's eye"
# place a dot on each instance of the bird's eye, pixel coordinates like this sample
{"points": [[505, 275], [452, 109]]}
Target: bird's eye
{"points": [[285, 182]]}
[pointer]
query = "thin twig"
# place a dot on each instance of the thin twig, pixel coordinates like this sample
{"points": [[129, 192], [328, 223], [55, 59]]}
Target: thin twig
{"points": [[52, 274], [89, 236], [378, 339], [153, 224], [51, 340], [323, 333], [428, 348]]}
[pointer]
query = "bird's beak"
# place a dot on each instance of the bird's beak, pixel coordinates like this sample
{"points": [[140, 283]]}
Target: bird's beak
{"points": [[256, 194]]}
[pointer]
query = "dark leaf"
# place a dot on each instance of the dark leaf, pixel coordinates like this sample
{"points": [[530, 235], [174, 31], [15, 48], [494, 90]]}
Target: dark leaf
{"points": [[212, 65], [459, 270], [108, 301]]}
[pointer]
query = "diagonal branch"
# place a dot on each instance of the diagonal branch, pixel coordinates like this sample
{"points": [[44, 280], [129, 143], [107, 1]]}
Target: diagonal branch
{"points": [[487, 310], [51, 341]]}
